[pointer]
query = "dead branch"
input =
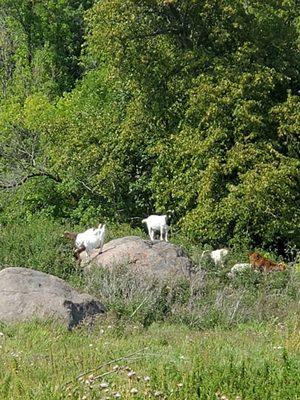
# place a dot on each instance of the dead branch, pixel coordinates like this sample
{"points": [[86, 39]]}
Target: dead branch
{"points": [[115, 360]]}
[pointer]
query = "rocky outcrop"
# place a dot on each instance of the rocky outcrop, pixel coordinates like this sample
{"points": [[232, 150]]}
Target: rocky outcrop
{"points": [[27, 294], [158, 258]]}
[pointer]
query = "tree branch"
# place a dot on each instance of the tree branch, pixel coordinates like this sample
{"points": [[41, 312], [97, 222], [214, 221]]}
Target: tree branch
{"points": [[158, 33], [29, 176]]}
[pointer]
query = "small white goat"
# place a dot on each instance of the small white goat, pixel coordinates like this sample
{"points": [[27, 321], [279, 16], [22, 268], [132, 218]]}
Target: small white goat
{"points": [[157, 223], [89, 240], [218, 256], [240, 267]]}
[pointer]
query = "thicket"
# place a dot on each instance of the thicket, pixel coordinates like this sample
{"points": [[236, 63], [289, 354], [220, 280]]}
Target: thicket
{"points": [[114, 110]]}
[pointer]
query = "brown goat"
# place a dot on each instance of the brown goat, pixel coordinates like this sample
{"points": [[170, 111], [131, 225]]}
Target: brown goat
{"points": [[261, 263]]}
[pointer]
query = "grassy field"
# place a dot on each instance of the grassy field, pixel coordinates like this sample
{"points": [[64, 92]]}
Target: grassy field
{"points": [[211, 337], [114, 360]]}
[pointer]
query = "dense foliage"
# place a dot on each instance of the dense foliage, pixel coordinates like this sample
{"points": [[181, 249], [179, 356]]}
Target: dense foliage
{"points": [[115, 109]]}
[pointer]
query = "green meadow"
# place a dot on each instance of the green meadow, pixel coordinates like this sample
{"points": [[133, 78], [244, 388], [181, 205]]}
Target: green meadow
{"points": [[166, 361]]}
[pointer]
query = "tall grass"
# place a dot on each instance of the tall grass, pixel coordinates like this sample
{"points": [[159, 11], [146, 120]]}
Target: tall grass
{"points": [[42, 361], [37, 243], [207, 300]]}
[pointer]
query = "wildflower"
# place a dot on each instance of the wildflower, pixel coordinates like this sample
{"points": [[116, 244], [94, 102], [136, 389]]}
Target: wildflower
{"points": [[117, 395], [157, 393], [130, 374], [104, 385], [134, 391], [179, 385], [146, 378]]}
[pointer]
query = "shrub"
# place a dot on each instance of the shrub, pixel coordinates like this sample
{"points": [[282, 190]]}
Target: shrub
{"points": [[36, 243], [207, 300]]}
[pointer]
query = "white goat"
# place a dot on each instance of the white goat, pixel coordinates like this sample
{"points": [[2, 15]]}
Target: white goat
{"points": [[157, 223], [239, 268], [89, 240], [218, 256]]}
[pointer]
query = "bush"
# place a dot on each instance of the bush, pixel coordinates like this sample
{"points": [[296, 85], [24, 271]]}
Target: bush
{"points": [[37, 243], [207, 300]]}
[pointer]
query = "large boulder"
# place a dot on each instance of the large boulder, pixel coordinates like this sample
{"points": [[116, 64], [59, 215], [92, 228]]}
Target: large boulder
{"points": [[157, 258], [26, 294]]}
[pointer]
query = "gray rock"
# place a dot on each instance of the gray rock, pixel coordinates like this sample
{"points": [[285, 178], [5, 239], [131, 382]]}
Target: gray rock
{"points": [[27, 294], [157, 258]]}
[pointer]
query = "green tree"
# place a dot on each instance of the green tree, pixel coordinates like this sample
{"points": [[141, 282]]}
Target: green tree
{"points": [[203, 79], [41, 45], [183, 105]]}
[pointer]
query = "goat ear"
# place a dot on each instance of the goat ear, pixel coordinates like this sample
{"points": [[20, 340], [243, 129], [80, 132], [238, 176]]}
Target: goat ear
{"points": [[100, 226]]}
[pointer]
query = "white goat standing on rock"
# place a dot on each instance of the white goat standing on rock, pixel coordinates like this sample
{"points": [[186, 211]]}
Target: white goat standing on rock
{"points": [[89, 240], [157, 223]]}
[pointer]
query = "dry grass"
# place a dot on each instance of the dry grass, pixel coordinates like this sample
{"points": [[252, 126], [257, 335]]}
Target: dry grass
{"points": [[207, 300]]}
